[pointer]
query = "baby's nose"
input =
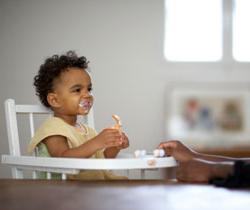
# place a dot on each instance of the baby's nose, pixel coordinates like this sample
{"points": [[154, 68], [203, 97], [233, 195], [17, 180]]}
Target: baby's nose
{"points": [[86, 94]]}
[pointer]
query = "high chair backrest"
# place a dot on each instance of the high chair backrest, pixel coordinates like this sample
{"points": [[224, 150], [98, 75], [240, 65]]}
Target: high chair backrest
{"points": [[12, 110]]}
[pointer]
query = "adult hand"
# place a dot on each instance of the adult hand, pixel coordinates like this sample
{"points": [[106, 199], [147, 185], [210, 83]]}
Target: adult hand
{"points": [[178, 150], [193, 166]]}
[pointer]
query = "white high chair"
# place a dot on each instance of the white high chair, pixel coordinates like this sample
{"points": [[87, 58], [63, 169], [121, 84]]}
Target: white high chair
{"points": [[63, 166]]}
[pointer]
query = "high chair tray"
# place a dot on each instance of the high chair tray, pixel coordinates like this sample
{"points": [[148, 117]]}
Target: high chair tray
{"points": [[147, 162]]}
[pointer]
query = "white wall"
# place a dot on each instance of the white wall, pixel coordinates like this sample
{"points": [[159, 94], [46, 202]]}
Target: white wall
{"points": [[123, 39]]}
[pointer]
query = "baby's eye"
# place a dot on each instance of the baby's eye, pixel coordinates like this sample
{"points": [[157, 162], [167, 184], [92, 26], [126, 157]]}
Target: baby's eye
{"points": [[77, 90], [90, 89]]}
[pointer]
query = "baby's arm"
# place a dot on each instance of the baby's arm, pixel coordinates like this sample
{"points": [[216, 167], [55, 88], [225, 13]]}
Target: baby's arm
{"points": [[58, 146]]}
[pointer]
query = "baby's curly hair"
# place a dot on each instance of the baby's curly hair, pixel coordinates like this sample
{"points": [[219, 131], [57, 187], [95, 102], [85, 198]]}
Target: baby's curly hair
{"points": [[52, 68]]}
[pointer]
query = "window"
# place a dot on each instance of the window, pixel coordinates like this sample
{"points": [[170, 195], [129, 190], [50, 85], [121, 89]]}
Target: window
{"points": [[193, 30], [207, 30], [241, 30]]}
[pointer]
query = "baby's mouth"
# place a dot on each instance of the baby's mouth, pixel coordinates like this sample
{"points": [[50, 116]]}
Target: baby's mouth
{"points": [[85, 104]]}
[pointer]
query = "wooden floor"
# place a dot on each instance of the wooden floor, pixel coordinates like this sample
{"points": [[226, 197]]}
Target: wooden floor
{"points": [[118, 195]]}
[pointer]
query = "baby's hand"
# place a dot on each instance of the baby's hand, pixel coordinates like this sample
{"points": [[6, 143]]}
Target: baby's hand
{"points": [[109, 137], [124, 142]]}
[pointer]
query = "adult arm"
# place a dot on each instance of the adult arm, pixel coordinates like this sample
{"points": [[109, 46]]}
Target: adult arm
{"points": [[198, 167]]}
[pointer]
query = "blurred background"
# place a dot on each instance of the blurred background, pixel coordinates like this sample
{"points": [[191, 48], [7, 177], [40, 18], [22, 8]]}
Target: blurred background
{"points": [[170, 69]]}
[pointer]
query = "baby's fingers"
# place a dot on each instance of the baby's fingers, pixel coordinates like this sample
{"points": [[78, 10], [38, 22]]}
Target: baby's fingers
{"points": [[113, 143]]}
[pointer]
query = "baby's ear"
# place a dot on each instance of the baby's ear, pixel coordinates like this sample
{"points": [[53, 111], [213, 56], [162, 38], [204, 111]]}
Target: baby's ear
{"points": [[53, 100]]}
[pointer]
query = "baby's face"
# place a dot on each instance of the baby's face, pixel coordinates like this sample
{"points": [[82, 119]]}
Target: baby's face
{"points": [[73, 90]]}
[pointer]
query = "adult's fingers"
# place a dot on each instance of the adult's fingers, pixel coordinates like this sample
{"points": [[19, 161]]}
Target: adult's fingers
{"points": [[168, 144]]}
